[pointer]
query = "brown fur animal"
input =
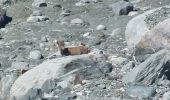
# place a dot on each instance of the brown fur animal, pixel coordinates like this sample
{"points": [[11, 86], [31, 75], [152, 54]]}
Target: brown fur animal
{"points": [[82, 49]]}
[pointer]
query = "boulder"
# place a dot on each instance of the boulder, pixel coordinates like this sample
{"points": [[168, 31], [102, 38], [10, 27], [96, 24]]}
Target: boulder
{"points": [[146, 32], [43, 78], [151, 71], [158, 37], [122, 7]]}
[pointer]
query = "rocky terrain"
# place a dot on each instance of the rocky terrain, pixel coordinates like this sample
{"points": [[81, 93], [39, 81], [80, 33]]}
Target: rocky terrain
{"points": [[129, 46]]}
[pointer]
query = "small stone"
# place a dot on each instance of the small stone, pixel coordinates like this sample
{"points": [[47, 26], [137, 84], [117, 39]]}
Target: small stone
{"points": [[33, 19], [42, 18], [106, 67], [76, 21], [166, 96], [39, 3], [36, 55], [102, 86], [101, 27]]}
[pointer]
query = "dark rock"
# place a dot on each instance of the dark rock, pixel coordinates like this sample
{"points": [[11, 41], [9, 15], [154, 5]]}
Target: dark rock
{"points": [[122, 7], [106, 67], [3, 18]]}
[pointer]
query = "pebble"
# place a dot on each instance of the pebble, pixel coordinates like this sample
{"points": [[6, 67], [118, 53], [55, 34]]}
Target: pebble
{"points": [[36, 55], [76, 21], [101, 27], [33, 19], [102, 86]]}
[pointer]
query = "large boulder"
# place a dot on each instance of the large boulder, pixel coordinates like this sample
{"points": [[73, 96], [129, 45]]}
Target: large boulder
{"points": [[152, 70], [138, 28], [158, 37], [42, 79]]}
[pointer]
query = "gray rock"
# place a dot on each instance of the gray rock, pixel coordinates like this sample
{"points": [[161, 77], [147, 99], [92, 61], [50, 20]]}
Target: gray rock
{"points": [[39, 3], [106, 67], [152, 70], [37, 18], [166, 96], [139, 26], [44, 77], [122, 7], [36, 55], [140, 91], [156, 38]]}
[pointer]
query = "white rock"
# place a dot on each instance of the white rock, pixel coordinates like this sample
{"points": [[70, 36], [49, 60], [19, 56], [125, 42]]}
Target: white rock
{"points": [[33, 19], [132, 13], [101, 27], [80, 4], [76, 21], [35, 55]]}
